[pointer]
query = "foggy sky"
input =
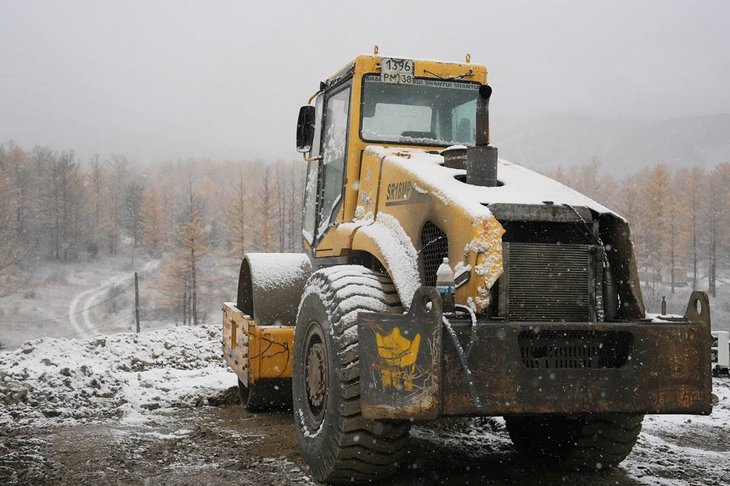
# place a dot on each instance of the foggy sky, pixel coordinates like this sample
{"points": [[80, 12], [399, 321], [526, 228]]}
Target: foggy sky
{"points": [[170, 79]]}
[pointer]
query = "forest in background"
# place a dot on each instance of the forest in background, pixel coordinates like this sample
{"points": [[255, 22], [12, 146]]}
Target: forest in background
{"points": [[679, 220], [56, 208]]}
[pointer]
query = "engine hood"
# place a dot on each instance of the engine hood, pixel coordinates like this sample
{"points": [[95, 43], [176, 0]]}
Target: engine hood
{"points": [[518, 185]]}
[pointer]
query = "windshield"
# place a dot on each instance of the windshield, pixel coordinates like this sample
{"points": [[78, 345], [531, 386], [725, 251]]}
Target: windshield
{"points": [[427, 112]]}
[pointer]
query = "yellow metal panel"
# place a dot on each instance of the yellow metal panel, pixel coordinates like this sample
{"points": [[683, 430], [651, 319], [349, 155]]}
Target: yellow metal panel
{"points": [[235, 340], [272, 352], [473, 240], [256, 352], [368, 188]]}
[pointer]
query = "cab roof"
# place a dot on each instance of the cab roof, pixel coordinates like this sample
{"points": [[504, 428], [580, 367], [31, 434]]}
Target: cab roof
{"points": [[423, 68]]}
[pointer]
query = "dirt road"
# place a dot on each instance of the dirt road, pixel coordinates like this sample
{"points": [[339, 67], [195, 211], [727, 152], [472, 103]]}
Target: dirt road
{"points": [[79, 308], [225, 445]]}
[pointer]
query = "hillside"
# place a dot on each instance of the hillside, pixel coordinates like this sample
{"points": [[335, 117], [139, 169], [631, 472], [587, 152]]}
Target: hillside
{"points": [[545, 142]]}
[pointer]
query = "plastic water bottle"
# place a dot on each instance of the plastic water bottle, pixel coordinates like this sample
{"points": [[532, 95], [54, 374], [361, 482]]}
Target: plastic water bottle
{"points": [[445, 285]]}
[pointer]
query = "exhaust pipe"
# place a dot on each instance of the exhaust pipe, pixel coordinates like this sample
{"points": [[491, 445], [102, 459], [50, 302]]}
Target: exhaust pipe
{"points": [[481, 160]]}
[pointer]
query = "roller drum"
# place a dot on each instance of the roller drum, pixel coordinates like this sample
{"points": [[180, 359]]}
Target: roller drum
{"points": [[270, 286]]}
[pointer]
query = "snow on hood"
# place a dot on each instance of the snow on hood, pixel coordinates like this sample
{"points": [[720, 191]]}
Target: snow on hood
{"points": [[521, 185], [124, 375]]}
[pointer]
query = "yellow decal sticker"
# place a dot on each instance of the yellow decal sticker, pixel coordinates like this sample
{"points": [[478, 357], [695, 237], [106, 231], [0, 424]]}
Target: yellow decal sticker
{"points": [[398, 355]]}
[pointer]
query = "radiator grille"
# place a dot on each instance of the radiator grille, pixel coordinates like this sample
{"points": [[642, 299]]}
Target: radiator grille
{"points": [[544, 232], [575, 349], [434, 247], [549, 282]]}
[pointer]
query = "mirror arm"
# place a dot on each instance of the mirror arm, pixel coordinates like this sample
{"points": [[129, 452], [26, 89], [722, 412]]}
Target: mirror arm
{"points": [[311, 98]]}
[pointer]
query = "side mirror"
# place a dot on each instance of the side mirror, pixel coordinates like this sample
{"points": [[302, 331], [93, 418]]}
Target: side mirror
{"points": [[305, 128]]}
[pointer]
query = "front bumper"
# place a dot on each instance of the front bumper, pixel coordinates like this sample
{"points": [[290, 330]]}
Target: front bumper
{"points": [[414, 367]]}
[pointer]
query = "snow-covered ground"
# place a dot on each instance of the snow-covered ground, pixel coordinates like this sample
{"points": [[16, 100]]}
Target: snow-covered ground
{"points": [[148, 391], [123, 376]]}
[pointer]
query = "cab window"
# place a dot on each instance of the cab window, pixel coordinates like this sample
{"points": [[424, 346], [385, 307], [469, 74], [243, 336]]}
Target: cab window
{"points": [[426, 112], [334, 153]]}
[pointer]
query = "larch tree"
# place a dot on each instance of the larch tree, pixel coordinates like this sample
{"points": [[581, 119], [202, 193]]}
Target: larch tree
{"points": [[267, 209], [560, 176], [295, 197], [63, 206], [18, 167], [9, 251], [235, 217], [629, 203], [116, 181], [192, 237], [96, 199], [132, 211], [675, 239], [656, 195], [690, 181], [589, 180], [281, 206], [172, 284], [42, 159], [153, 227], [718, 218]]}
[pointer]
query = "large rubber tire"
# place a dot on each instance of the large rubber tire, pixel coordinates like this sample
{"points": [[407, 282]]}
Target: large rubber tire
{"points": [[336, 442], [265, 395], [582, 443]]}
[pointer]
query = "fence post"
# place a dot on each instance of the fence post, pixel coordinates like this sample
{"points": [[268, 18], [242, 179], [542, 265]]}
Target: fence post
{"points": [[136, 299]]}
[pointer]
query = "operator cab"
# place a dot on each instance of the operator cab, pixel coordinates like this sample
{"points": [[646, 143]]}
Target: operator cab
{"points": [[378, 101]]}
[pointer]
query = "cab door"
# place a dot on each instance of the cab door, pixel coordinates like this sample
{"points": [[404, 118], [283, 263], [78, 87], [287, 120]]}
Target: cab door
{"points": [[323, 198]]}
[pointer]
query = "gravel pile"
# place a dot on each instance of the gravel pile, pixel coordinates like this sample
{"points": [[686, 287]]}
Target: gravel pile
{"points": [[122, 375]]}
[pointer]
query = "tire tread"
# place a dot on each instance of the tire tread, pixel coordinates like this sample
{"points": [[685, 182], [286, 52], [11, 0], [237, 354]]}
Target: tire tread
{"points": [[366, 450], [590, 443]]}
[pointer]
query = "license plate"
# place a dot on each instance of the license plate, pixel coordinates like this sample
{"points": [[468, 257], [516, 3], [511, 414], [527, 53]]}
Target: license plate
{"points": [[396, 71]]}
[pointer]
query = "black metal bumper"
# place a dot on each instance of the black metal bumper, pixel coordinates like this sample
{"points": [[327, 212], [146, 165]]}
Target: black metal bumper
{"points": [[415, 366]]}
